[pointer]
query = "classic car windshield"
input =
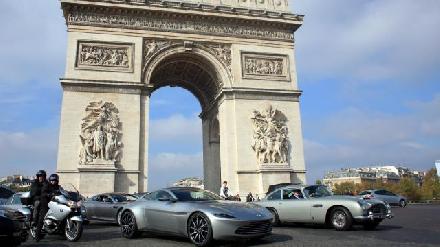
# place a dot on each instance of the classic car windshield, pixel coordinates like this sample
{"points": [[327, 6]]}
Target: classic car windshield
{"points": [[194, 195], [317, 191]]}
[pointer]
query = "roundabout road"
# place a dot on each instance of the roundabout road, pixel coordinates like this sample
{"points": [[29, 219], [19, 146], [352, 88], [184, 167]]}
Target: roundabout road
{"points": [[415, 225]]}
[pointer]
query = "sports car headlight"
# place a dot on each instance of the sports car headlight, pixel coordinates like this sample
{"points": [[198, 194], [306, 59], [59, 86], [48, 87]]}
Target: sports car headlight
{"points": [[226, 216]]}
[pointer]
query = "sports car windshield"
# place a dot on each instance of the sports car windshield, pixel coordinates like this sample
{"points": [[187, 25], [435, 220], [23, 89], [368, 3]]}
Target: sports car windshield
{"points": [[194, 195], [317, 191]]}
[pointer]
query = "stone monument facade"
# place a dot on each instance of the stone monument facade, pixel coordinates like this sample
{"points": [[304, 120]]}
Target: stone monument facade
{"points": [[235, 56]]}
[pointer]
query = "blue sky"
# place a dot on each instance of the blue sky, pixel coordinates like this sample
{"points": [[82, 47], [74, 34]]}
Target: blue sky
{"points": [[370, 72]]}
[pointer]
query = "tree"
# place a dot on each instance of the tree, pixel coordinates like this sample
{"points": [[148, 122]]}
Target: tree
{"points": [[409, 188], [345, 188], [431, 185], [318, 182]]}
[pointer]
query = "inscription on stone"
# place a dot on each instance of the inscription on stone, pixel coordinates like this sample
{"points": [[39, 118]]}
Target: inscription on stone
{"points": [[105, 56]]}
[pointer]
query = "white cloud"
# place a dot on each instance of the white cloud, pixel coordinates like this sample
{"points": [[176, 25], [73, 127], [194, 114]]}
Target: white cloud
{"points": [[27, 152], [176, 128], [32, 42], [167, 168], [358, 138], [370, 40]]}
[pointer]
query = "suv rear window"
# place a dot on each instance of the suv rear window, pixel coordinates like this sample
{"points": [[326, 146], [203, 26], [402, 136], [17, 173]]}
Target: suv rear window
{"points": [[365, 193]]}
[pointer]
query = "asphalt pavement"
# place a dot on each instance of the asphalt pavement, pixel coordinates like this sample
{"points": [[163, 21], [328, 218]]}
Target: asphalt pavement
{"points": [[415, 225]]}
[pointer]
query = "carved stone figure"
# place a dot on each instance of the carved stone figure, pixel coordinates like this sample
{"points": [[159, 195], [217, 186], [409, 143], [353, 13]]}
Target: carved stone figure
{"points": [[100, 134], [270, 136], [103, 56]]}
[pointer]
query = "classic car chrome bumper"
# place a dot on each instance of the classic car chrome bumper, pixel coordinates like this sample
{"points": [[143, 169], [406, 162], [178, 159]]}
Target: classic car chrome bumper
{"points": [[372, 216]]}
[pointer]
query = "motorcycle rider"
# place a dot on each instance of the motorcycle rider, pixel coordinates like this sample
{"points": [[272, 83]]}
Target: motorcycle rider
{"points": [[52, 187], [40, 203]]}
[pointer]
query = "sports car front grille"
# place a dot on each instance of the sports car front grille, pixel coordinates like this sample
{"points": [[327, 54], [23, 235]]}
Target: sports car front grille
{"points": [[258, 227], [379, 209]]}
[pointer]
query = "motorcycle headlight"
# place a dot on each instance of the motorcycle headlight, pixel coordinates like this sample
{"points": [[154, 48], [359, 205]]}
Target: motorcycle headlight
{"points": [[72, 204], [225, 216]]}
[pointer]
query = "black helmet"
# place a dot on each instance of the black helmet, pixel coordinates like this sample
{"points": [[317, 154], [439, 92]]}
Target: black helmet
{"points": [[41, 173], [54, 177]]}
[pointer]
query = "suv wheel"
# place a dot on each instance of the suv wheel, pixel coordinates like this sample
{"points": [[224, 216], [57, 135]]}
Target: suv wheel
{"points": [[402, 203]]}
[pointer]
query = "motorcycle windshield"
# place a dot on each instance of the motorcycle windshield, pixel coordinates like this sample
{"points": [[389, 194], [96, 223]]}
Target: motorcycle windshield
{"points": [[71, 193]]}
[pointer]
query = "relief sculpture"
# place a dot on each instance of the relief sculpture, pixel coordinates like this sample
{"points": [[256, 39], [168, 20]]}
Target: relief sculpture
{"points": [[104, 56], [100, 135], [270, 143]]}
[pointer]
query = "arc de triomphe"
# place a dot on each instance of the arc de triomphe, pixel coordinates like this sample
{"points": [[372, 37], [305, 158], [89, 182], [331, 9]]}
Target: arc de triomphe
{"points": [[235, 56]]}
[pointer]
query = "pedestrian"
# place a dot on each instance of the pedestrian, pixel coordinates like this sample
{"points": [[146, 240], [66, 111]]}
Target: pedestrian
{"points": [[224, 190], [250, 197]]}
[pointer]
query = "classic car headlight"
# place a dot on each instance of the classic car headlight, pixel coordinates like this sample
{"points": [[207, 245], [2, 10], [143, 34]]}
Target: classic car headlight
{"points": [[364, 205], [226, 216]]}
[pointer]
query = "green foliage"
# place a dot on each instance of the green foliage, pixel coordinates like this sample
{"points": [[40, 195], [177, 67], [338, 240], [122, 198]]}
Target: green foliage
{"points": [[345, 188], [431, 186], [318, 182]]}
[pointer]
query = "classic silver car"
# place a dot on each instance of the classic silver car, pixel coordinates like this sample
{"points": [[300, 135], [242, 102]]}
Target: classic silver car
{"points": [[107, 207], [386, 196], [316, 204], [200, 215]]}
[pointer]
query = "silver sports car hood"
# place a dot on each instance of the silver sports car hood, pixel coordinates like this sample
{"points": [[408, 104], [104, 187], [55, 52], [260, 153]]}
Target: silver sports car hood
{"points": [[240, 210]]}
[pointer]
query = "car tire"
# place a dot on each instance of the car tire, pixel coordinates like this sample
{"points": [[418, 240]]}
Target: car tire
{"points": [[118, 217], [276, 218], [199, 229], [402, 203], [128, 225], [341, 219], [371, 225]]}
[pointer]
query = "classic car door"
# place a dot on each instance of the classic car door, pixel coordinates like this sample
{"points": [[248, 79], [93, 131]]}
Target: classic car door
{"points": [[102, 207], [91, 205], [294, 208], [161, 213]]}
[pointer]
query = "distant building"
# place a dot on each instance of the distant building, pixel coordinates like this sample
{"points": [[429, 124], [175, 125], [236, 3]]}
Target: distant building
{"points": [[190, 182], [437, 166], [387, 174], [16, 180]]}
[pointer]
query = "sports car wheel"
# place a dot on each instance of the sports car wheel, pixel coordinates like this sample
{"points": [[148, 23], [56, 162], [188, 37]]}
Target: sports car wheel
{"points": [[128, 225], [402, 203], [341, 219], [199, 229], [118, 217], [276, 217]]}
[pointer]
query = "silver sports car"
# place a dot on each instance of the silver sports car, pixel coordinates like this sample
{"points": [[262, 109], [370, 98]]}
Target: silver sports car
{"points": [[316, 204], [194, 213], [107, 207]]}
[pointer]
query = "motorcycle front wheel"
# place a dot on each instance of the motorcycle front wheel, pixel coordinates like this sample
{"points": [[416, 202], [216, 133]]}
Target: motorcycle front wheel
{"points": [[73, 230]]}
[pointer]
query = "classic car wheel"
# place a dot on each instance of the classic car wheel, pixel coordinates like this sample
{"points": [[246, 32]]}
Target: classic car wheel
{"points": [[341, 219], [276, 217], [199, 229], [402, 203], [128, 225], [371, 225]]}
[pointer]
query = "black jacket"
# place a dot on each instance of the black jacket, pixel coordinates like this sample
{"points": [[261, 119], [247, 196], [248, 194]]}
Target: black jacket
{"points": [[48, 191], [36, 190]]}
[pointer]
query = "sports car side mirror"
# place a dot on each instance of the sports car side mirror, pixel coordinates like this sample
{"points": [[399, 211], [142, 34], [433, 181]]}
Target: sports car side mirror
{"points": [[167, 199]]}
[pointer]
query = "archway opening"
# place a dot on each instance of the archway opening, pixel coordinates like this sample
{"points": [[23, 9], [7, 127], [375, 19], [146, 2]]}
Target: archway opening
{"points": [[175, 140], [199, 76]]}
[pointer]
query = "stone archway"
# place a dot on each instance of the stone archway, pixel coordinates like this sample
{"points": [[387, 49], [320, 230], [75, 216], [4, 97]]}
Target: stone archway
{"points": [[193, 67], [236, 57]]}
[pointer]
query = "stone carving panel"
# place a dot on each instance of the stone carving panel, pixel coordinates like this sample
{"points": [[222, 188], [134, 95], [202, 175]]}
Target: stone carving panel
{"points": [[270, 143], [265, 66], [177, 23], [105, 56], [100, 135]]}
